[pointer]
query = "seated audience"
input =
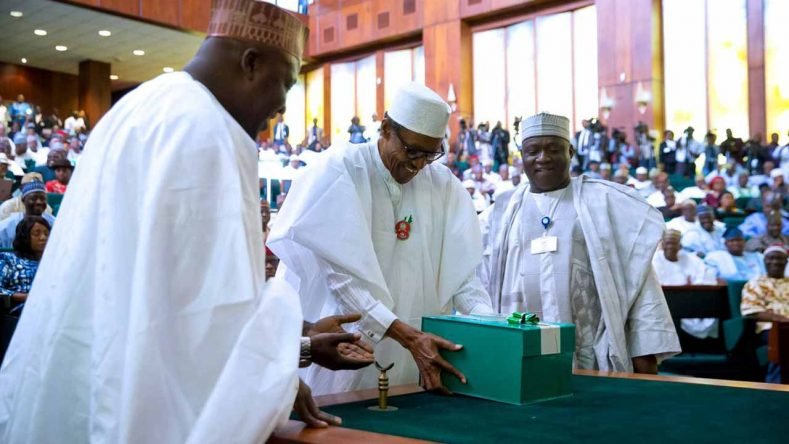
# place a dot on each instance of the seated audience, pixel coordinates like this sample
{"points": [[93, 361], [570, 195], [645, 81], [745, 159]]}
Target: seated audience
{"points": [[660, 184], [756, 224], [743, 188], [505, 184], [717, 187], [773, 235], [779, 185], [698, 191], [34, 198], [47, 171], [676, 267], [605, 171], [63, 170], [480, 200], [734, 263], [594, 170], [766, 298], [18, 268], [15, 205], [727, 207], [687, 220], [642, 183], [265, 217], [670, 209], [760, 179]]}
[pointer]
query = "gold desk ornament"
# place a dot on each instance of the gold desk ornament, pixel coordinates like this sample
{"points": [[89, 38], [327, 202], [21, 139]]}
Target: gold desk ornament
{"points": [[383, 390]]}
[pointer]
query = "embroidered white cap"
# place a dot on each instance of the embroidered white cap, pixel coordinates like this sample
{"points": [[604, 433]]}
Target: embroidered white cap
{"points": [[545, 124], [419, 109]]}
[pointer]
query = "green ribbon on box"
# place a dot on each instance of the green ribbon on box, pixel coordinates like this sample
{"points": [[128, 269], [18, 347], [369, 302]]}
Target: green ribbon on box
{"points": [[523, 318]]}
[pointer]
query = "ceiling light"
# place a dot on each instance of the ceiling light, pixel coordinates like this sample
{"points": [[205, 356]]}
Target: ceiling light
{"points": [[16, 14], [167, 69], [105, 33], [61, 48], [24, 60], [138, 52], [113, 77], [39, 32]]}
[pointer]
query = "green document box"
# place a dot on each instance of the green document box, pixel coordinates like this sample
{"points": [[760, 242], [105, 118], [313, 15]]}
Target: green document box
{"points": [[516, 364]]}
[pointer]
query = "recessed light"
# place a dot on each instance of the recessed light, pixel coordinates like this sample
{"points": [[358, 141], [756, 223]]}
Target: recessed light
{"points": [[39, 32], [138, 52], [24, 60], [61, 48], [105, 33], [167, 69], [113, 77], [16, 14]]}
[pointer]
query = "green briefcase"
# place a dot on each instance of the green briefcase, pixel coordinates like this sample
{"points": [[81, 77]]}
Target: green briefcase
{"points": [[511, 363]]}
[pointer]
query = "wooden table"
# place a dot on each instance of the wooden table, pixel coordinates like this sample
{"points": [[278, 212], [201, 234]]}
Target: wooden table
{"points": [[295, 431], [778, 348]]}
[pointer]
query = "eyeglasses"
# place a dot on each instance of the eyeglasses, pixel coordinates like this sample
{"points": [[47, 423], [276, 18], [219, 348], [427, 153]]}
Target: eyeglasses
{"points": [[415, 154]]}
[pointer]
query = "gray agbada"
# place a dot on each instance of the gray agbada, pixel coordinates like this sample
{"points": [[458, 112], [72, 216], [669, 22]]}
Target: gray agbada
{"points": [[601, 275]]}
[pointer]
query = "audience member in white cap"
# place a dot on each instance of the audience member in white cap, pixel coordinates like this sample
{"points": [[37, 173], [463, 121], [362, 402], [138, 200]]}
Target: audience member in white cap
{"points": [[687, 221], [481, 201], [579, 251], [642, 183], [766, 298], [697, 191], [385, 230]]}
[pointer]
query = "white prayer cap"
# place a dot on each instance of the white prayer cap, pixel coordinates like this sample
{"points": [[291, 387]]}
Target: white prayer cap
{"points": [[777, 248], [775, 173], [642, 170], [468, 183], [545, 124], [419, 109]]}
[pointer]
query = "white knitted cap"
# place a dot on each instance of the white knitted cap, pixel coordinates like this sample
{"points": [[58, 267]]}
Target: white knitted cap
{"points": [[419, 109], [545, 124]]}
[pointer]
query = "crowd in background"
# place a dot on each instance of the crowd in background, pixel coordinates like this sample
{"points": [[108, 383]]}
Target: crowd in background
{"points": [[38, 154]]}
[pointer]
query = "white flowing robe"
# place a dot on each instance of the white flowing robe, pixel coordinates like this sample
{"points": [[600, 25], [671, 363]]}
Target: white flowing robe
{"points": [[621, 232], [336, 236], [150, 320]]}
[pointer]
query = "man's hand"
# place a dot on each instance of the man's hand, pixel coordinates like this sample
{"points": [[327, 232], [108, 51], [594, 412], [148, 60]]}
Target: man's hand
{"points": [[645, 364], [309, 413], [339, 351], [333, 324], [424, 347]]}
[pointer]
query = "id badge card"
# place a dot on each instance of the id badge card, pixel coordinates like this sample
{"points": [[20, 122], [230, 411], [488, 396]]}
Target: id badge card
{"points": [[544, 244]]}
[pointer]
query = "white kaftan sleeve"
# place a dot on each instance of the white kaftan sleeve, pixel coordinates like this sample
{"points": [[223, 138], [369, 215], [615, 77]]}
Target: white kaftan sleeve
{"points": [[471, 297], [649, 329], [353, 297]]}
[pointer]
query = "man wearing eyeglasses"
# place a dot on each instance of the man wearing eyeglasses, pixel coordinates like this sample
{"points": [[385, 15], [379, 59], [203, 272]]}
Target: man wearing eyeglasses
{"points": [[382, 229]]}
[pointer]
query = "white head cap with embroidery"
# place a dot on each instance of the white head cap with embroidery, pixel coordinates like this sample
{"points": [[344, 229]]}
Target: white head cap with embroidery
{"points": [[419, 109], [545, 124]]}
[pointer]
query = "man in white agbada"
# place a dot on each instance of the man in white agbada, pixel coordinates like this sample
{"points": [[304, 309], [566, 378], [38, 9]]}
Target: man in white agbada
{"points": [[580, 251], [384, 230], [676, 267], [688, 219], [707, 236], [150, 320]]}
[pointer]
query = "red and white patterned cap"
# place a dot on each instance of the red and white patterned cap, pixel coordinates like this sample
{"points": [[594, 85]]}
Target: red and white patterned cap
{"points": [[259, 22]]}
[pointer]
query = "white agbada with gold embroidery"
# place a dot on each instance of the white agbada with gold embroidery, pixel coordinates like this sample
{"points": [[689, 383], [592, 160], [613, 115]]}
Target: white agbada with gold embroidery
{"points": [[600, 277], [150, 320], [336, 237]]}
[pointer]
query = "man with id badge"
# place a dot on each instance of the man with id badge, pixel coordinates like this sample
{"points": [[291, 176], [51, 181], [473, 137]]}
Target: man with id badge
{"points": [[578, 250]]}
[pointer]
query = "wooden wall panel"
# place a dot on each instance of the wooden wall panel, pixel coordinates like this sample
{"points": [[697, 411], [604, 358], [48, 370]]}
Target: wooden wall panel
{"points": [[629, 53], [380, 74], [95, 95], [195, 14], [161, 11], [473, 7], [440, 12], [47, 89], [130, 7], [757, 100]]}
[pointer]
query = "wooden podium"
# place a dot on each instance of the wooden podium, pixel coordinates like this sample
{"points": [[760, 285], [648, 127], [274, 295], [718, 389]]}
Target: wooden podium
{"points": [[778, 348]]}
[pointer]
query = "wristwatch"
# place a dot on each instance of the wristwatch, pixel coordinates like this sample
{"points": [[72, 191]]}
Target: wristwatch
{"points": [[305, 356]]}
